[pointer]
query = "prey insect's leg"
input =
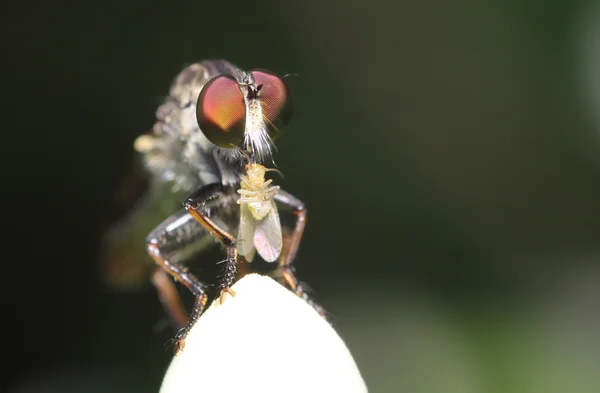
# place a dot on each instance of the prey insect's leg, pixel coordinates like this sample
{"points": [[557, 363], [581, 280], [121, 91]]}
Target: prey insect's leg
{"points": [[287, 257], [196, 206], [177, 235]]}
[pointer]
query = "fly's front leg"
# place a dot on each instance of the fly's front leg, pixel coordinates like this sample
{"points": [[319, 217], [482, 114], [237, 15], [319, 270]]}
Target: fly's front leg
{"points": [[172, 238], [196, 206], [288, 256]]}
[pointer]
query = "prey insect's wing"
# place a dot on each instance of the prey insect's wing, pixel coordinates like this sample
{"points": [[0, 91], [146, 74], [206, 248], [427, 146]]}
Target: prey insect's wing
{"points": [[245, 239], [267, 236]]}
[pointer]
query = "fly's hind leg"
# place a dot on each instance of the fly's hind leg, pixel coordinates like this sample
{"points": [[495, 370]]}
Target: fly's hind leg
{"points": [[176, 236], [196, 205], [169, 298], [289, 254]]}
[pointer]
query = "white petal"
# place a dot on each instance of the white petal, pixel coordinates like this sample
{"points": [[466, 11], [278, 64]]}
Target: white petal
{"points": [[263, 340]]}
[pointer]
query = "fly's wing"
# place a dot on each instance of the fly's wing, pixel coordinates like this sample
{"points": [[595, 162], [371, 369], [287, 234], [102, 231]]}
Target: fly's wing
{"points": [[125, 264], [267, 237], [246, 231]]}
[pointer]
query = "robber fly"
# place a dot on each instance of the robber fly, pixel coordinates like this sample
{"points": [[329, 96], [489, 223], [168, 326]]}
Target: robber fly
{"points": [[205, 151]]}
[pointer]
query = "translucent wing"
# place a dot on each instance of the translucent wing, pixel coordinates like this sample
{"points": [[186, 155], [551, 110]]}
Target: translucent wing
{"points": [[245, 246], [267, 237]]}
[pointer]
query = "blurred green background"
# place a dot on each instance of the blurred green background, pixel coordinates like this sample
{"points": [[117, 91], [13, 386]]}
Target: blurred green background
{"points": [[447, 153]]}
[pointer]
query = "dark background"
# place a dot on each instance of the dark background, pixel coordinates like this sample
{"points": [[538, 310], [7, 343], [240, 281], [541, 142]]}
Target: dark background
{"points": [[447, 152]]}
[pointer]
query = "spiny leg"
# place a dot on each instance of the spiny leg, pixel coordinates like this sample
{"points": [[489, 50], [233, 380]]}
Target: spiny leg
{"points": [[196, 206], [288, 256], [199, 306], [173, 237]]}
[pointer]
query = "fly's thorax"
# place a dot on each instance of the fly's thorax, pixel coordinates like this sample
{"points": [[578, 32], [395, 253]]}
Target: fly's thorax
{"points": [[178, 113], [163, 159], [186, 86]]}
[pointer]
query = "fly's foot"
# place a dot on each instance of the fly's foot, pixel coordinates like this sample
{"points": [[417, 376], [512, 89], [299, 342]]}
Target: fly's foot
{"points": [[224, 292], [199, 305], [301, 293], [320, 310], [179, 339], [200, 207]]}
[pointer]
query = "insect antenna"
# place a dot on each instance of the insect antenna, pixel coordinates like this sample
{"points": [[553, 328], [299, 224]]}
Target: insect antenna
{"points": [[274, 170]]}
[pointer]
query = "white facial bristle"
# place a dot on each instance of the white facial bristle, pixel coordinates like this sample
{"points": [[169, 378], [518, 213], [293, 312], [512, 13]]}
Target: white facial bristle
{"points": [[257, 137]]}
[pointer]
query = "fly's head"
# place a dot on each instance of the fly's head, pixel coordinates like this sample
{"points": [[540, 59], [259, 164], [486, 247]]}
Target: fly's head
{"points": [[246, 113]]}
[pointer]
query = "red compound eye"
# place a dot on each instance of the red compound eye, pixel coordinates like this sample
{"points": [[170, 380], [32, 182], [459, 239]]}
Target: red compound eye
{"points": [[221, 111], [276, 101]]}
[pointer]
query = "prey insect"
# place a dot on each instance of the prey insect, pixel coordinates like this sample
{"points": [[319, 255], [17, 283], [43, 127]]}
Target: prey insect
{"points": [[260, 228], [212, 135]]}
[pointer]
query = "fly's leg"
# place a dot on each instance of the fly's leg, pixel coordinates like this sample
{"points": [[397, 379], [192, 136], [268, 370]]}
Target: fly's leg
{"points": [[172, 238], [196, 206], [287, 257], [169, 297]]}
